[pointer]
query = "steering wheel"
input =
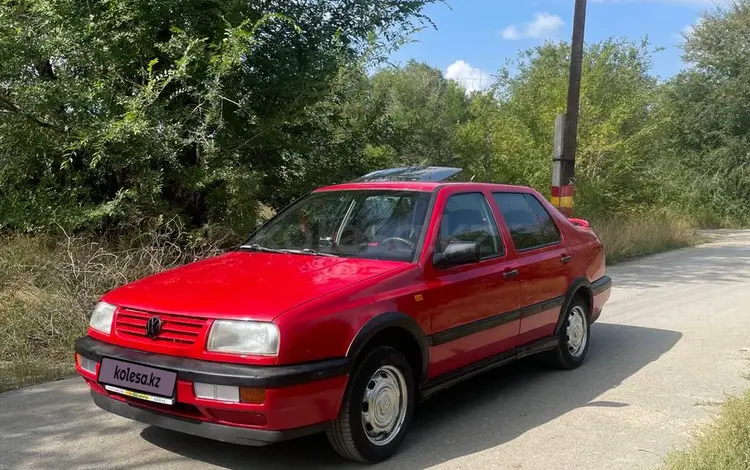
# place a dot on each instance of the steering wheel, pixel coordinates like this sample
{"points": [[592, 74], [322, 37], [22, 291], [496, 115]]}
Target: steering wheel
{"points": [[406, 242]]}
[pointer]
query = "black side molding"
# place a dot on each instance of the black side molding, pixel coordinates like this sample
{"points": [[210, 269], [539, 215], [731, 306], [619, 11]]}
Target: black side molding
{"points": [[457, 332], [219, 373]]}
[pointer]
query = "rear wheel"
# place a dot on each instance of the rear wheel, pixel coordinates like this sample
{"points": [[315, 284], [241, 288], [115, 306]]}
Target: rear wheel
{"points": [[574, 337], [377, 407]]}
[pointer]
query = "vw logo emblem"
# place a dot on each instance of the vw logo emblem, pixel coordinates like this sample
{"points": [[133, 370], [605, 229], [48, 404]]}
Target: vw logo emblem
{"points": [[153, 327]]}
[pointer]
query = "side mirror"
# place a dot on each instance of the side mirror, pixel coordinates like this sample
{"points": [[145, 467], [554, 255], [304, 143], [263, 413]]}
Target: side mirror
{"points": [[457, 253]]}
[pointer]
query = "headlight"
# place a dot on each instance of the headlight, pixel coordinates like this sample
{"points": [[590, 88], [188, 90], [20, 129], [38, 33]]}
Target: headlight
{"points": [[244, 337], [101, 319]]}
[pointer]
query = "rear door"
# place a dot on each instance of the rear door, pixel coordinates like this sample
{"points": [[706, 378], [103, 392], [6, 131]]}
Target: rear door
{"points": [[473, 308], [542, 259]]}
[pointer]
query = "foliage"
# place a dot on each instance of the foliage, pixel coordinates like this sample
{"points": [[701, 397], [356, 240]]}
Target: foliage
{"points": [[120, 114], [509, 136], [117, 110], [707, 115], [422, 109]]}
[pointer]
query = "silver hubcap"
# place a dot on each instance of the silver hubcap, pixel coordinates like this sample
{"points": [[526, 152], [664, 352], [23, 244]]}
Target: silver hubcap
{"points": [[577, 331], [384, 405]]}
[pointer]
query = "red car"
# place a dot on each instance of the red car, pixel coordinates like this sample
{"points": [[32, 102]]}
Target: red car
{"points": [[347, 309]]}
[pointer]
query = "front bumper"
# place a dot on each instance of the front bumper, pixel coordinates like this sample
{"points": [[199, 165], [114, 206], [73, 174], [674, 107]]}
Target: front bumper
{"points": [[209, 430], [299, 399]]}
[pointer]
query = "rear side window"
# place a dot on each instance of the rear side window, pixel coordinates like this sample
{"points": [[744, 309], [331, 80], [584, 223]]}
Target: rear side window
{"points": [[549, 229], [529, 223]]}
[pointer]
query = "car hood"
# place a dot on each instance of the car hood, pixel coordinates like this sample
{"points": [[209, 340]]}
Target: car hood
{"points": [[246, 285]]}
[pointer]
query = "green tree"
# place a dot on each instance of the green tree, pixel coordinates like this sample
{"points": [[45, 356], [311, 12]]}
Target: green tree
{"points": [[708, 117], [509, 136], [112, 111], [422, 111]]}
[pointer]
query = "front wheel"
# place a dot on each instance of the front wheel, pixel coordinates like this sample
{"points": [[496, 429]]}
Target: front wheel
{"points": [[377, 408], [574, 337]]}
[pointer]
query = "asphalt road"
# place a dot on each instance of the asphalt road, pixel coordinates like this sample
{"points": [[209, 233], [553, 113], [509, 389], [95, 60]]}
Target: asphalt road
{"points": [[672, 341]]}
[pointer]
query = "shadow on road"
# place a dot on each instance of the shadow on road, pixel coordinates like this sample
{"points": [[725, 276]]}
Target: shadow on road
{"points": [[717, 264], [477, 415]]}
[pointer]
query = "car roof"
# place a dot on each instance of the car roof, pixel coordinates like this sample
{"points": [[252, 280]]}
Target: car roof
{"points": [[422, 186]]}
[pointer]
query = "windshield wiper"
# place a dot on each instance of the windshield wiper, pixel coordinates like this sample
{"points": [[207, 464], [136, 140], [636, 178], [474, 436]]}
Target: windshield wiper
{"points": [[305, 251], [310, 251], [256, 247]]}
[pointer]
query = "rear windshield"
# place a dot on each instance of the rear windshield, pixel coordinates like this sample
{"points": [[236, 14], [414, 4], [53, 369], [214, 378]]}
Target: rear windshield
{"points": [[376, 224]]}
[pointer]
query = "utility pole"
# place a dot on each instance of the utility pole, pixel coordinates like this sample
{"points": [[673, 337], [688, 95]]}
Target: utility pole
{"points": [[566, 125]]}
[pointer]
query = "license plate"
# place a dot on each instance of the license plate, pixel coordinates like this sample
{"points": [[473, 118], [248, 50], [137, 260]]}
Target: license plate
{"points": [[134, 378]]}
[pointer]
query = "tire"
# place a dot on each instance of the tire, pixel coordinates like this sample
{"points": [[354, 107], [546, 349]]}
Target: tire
{"points": [[570, 353], [379, 373]]}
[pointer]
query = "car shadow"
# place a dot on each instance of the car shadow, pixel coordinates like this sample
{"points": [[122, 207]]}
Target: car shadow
{"points": [[476, 415]]}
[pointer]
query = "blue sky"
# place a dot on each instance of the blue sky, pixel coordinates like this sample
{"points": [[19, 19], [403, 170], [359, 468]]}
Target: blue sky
{"points": [[474, 38]]}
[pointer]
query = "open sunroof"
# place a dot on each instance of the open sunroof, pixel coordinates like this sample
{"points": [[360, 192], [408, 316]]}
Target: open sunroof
{"points": [[427, 174]]}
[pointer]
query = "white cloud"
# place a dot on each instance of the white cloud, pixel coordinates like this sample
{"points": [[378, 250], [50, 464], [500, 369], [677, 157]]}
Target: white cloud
{"points": [[471, 78], [687, 31], [544, 25]]}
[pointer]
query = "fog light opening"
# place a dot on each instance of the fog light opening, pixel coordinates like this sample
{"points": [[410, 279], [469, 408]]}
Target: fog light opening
{"points": [[86, 364], [227, 393]]}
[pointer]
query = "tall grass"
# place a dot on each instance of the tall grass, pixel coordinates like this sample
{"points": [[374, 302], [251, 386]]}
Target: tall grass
{"points": [[723, 444], [48, 288], [628, 238]]}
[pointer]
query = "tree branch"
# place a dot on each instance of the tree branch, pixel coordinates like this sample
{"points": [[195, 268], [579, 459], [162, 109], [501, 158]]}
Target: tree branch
{"points": [[12, 107]]}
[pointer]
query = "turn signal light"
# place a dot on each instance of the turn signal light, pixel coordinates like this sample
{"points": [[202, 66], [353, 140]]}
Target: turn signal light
{"points": [[252, 395]]}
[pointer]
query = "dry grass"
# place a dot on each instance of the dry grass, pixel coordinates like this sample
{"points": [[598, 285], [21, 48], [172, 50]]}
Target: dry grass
{"points": [[722, 445], [626, 239], [48, 288]]}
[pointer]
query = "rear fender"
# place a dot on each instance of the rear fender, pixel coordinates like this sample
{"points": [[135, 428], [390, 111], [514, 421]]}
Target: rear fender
{"points": [[579, 284]]}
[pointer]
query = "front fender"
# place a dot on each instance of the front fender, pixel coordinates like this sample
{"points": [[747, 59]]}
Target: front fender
{"points": [[387, 320]]}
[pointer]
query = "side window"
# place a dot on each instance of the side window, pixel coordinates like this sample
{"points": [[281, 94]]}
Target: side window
{"points": [[467, 217], [550, 230], [522, 221]]}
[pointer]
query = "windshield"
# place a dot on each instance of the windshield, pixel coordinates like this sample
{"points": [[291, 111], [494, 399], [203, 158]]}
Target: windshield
{"points": [[359, 224]]}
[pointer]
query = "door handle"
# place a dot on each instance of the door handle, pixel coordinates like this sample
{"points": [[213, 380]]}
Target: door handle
{"points": [[510, 274], [565, 259]]}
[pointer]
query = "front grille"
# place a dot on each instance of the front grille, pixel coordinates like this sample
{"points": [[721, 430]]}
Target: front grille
{"points": [[176, 329]]}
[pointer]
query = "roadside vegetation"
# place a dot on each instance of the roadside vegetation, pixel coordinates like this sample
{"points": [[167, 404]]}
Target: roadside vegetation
{"points": [[139, 135], [723, 444], [625, 239], [49, 285]]}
